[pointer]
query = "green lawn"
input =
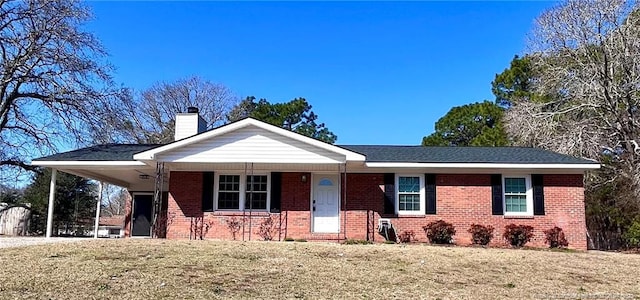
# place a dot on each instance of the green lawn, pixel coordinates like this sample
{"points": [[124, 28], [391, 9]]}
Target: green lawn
{"points": [[151, 269]]}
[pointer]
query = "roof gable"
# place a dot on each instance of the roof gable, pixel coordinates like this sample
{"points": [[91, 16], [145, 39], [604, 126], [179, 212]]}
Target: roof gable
{"points": [[250, 140]]}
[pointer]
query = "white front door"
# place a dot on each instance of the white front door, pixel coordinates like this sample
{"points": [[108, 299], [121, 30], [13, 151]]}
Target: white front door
{"points": [[325, 204]]}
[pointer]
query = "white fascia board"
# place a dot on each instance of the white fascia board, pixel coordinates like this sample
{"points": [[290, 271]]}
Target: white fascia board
{"points": [[259, 161], [151, 154], [593, 166], [88, 163]]}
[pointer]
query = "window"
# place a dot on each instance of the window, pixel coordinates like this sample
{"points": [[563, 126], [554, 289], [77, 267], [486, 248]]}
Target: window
{"points": [[229, 192], [240, 192], [518, 196], [325, 182], [256, 193], [410, 194]]}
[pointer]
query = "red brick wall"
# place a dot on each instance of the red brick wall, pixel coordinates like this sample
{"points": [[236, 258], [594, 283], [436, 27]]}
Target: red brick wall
{"points": [[186, 220], [127, 215], [296, 205], [364, 202], [184, 217], [466, 199], [461, 200]]}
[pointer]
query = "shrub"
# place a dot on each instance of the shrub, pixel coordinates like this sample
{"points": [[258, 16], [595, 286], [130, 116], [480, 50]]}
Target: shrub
{"points": [[199, 228], [234, 226], [555, 238], [480, 234], [518, 235], [440, 232], [300, 240], [288, 239], [356, 242], [407, 236], [632, 236], [267, 229]]}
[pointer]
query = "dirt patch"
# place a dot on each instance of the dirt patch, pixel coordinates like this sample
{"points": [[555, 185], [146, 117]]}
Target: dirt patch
{"points": [[10, 242]]}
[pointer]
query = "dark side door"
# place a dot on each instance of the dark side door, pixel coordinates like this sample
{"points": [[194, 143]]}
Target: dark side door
{"points": [[142, 206]]}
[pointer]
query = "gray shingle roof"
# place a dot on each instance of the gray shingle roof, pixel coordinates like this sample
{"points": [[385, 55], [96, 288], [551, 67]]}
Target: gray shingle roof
{"points": [[107, 152], [411, 154], [420, 154]]}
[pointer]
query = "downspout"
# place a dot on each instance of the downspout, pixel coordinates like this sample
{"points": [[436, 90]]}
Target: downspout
{"points": [[344, 192], [343, 197], [244, 212], [250, 201]]}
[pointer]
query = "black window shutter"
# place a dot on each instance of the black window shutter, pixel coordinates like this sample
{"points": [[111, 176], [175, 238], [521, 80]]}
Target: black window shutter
{"points": [[496, 195], [165, 201], [276, 191], [207, 191], [538, 194], [389, 193], [430, 188]]}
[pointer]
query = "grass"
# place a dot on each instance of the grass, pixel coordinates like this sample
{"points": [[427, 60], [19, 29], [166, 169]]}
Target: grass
{"points": [[152, 269]]}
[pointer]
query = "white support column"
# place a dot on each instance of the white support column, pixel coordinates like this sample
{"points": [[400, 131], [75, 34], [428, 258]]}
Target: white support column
{"points": [[52, 199], [97, 221]]}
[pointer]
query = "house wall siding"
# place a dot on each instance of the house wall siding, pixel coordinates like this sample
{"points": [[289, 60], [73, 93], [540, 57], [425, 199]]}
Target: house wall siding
{"points": [[462, 199], [251, 144]]}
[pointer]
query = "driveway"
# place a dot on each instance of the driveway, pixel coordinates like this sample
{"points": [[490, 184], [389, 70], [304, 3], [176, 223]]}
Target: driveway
{"points": [[7, 242]]}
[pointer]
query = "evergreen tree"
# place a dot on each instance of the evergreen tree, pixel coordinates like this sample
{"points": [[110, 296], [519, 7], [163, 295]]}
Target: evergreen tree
{"points": [[476, 124], [74, 204], [295, 115]]}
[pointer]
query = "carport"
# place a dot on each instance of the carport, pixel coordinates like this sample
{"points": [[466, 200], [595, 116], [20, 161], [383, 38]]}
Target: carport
{"points": [[112, 164]]}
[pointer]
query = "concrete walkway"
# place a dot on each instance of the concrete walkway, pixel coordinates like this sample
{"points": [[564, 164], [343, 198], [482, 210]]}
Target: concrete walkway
{"points": [[7, 242]]}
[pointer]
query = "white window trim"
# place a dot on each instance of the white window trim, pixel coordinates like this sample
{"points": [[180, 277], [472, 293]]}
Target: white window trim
{"points": [[529, 194], [243, 190], [422, 195]]}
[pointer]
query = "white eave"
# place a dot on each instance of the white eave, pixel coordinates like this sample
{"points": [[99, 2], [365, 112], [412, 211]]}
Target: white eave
{"points": [[153, 153], [482, 165], [88, 163], [122, 173]]}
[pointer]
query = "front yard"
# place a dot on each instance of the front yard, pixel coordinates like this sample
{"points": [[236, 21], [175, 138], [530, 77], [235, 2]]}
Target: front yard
{"points": [[152, 269]]}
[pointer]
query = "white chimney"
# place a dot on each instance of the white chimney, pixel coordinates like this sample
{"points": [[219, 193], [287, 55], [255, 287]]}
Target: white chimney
{"points": [[189, 123]]}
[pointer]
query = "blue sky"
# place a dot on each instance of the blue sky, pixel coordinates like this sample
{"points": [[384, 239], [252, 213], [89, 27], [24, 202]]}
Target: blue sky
{"points": [[375, 72]]}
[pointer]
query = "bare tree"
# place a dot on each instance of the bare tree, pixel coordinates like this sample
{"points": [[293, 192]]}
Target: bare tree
{"points": [[149, 116], [54, 79], [586, 56], [114, 200], [586, 61]]}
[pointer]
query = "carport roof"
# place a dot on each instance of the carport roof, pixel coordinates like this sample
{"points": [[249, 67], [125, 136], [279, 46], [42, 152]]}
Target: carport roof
{"points": [[106, 152]]}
